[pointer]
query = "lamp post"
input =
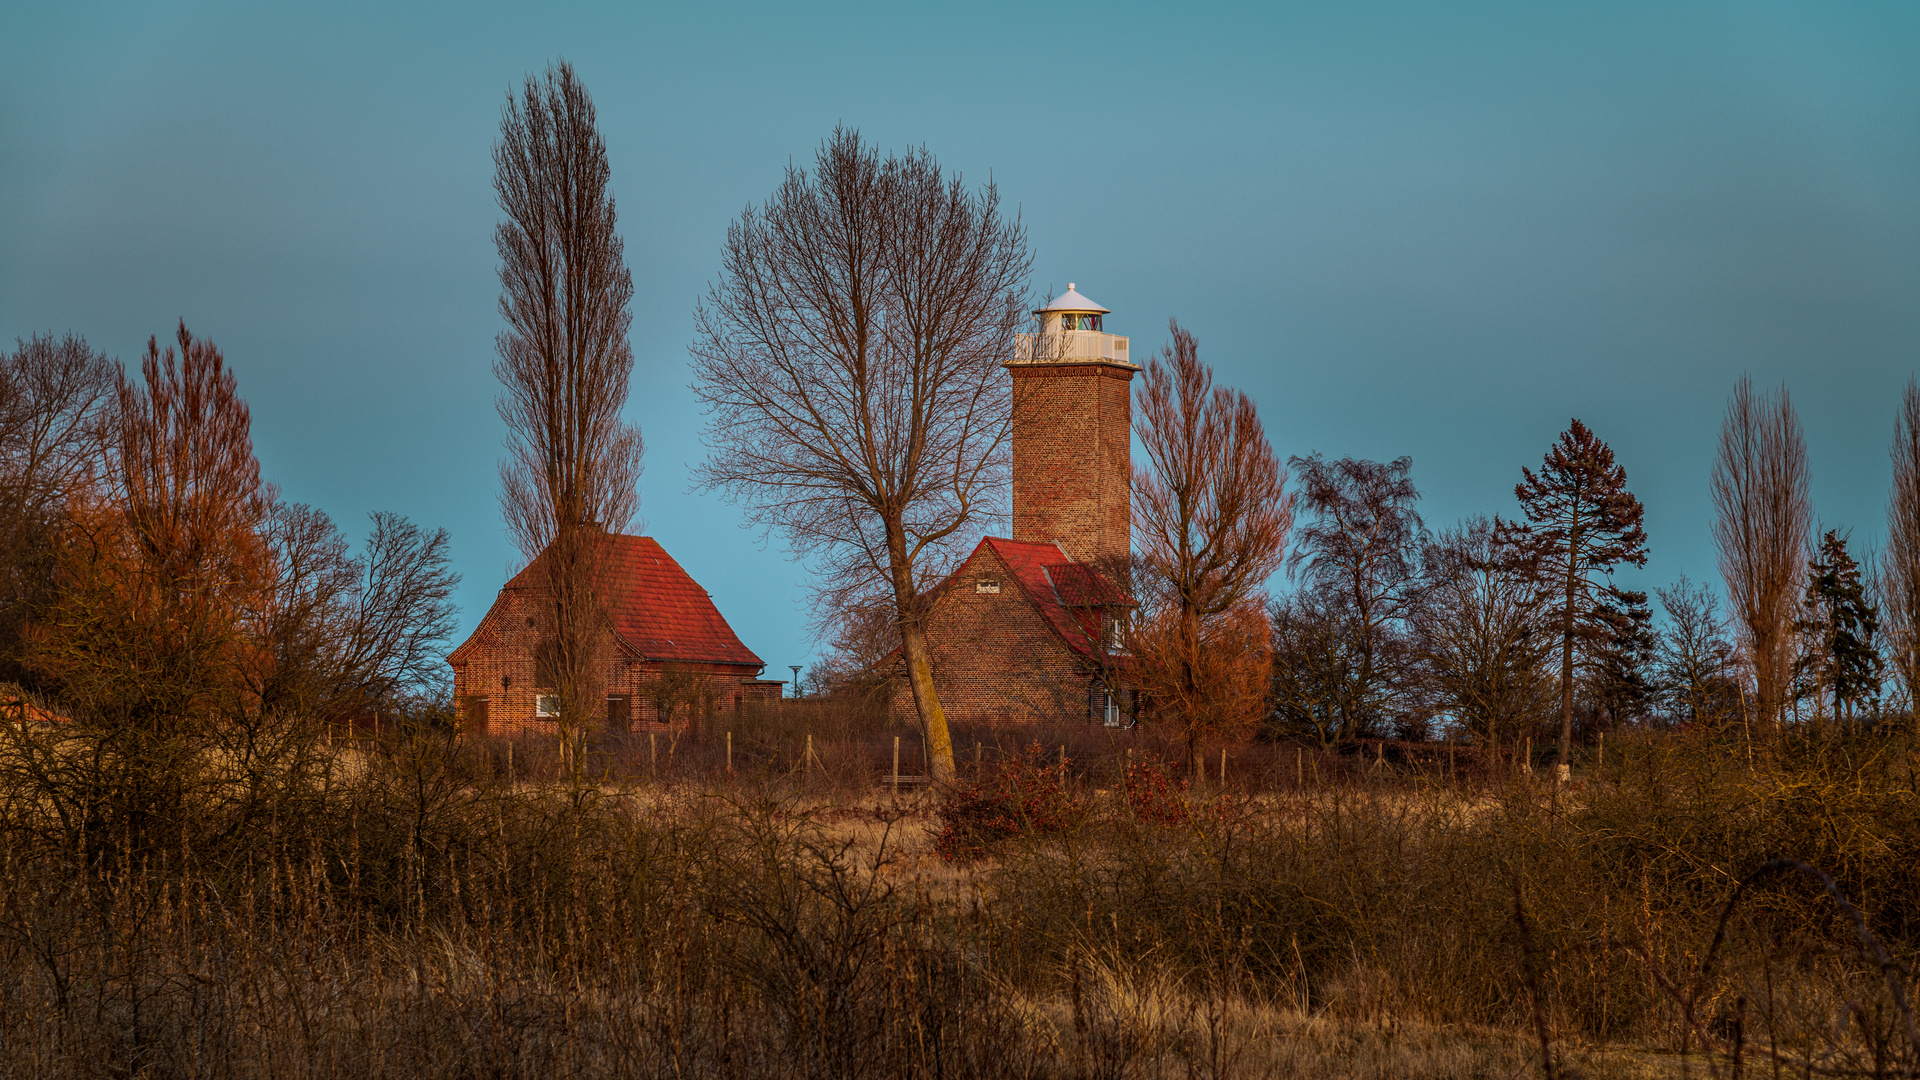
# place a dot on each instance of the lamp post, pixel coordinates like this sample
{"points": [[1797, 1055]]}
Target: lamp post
{"points": [[795, 668]]}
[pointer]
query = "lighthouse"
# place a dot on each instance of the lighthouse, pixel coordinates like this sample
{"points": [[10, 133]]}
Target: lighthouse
{"points": [[1072, 398]]}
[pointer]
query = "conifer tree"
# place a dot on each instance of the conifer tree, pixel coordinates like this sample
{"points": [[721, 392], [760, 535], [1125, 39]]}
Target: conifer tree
{"points": [[1582, 520], [1622, 653], [1839, 625]]}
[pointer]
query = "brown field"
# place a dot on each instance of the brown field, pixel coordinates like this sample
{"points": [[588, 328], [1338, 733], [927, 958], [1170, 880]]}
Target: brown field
{"points": [[281, 907]]}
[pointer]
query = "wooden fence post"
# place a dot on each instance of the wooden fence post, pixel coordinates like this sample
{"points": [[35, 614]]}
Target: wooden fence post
{"points": [[729, 753], [1299, 768], [1600, 760], [896, 766], [1223, 768], [807, 763], [653, 757]]}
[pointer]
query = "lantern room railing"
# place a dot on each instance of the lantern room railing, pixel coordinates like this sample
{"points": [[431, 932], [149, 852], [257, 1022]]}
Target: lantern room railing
{"points": [[1068, 346]]}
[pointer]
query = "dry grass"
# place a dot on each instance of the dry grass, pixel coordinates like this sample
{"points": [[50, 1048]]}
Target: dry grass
{"points": [[412, 910]]}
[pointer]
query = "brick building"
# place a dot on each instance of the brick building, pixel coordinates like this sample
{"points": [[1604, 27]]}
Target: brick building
{"points": [[668, 645], [1027, 628]]}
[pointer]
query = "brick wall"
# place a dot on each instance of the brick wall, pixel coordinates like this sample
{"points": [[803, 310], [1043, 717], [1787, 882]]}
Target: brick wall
{"points": [[994, 658], [1072, 459]]}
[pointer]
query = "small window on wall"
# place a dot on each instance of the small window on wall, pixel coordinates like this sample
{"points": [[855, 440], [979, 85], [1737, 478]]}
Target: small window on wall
{"points": [[987, 585], [546, 706]]}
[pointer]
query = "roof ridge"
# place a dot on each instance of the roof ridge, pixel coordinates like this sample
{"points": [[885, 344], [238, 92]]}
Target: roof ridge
{"points": [[1047, 572]]}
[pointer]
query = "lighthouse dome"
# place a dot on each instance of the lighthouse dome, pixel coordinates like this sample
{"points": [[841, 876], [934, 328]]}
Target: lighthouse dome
{"points": [[1071, 300]]}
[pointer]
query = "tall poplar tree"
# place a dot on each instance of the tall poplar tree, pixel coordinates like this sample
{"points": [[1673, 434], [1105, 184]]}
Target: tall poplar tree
{"points": [[1581, 521], [572, 463], [1762, 522], [1899, 577]]}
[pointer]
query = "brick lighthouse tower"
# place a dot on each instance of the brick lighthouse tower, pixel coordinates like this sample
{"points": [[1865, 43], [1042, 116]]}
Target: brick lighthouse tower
{"points": [[1072, 434], [1029, 628]]}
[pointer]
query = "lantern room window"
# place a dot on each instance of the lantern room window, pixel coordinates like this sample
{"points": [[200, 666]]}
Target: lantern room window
{"points": [[1079, 322]]}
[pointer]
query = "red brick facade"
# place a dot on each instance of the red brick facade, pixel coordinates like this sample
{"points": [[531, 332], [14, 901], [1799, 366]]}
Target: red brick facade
{"points": [[666, 644], [1022, 632]]}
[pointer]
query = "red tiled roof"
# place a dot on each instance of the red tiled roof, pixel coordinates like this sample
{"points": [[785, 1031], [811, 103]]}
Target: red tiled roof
{"points": [[659, 612], [1068, 594], [1080, 585]]}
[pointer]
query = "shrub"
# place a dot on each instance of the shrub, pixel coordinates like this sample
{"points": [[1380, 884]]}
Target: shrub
{"points": [[1018, 796], [1154, 795]]}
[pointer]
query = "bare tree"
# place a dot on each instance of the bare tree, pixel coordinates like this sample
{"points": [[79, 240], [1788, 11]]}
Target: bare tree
{"points": [[572, 464], [850, 361], [1314, 665], [673, 685], [156, 568], [1899, 567], [1482, 634], [1210, 676], [1361, 551], [1763, 515], [54, 398], [1696, 666], [1211, 516], [334, 633], [52, 395], [855, 661]]}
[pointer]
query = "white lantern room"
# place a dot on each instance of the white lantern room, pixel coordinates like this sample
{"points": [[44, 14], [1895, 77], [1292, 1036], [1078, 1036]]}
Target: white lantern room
{"points": [[1072, 332]]}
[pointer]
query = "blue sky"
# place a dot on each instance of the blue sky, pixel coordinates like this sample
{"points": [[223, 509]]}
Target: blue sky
{"points": [[1428, 229]]}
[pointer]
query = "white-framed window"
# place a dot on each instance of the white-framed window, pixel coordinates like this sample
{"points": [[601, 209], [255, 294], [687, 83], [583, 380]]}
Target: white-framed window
{"points": [[1113, 718], [986, 585], [546, 706]]}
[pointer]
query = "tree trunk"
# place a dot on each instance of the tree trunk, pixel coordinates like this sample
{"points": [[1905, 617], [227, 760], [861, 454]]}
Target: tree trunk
{"points": [[1189, 686], [1565, 769], [913, 651], [926, 701]]}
